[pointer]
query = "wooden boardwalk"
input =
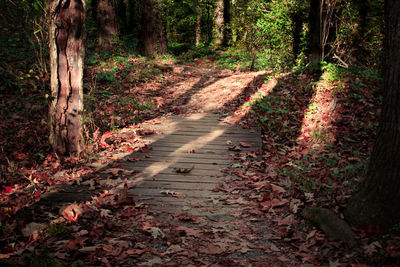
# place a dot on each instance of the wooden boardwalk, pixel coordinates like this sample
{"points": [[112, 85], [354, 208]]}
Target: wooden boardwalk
{"points": [[185, 162]]}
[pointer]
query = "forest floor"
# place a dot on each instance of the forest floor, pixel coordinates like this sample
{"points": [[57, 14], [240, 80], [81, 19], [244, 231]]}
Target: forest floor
{"points": [[317, 134]]}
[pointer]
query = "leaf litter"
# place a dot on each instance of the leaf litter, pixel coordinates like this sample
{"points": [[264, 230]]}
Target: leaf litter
{"points": [[269, 189]]}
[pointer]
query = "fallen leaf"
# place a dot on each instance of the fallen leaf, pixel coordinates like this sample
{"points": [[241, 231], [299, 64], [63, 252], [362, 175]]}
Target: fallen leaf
{"points": [[72, 212], [189, 231], [32, 228], [105, 213], [183, 170], [145, 149], [278, 189], [245, 145], [273, 203], [156, 232], [73, 244], [173, 194], [211, 249], [173, 249]]}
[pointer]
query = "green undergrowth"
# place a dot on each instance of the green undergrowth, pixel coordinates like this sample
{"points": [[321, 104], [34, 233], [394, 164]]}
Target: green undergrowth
{"points": [[318, 131], [233, 58], [112, 94]]}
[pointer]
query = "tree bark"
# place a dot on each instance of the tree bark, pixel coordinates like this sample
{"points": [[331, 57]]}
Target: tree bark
{"points": [[315, 32], [219, 23], [227, 20], [131, 19], [152, 38], [66, 34], [297, 20], [121, 16], [377, 202], [198, 23], [107, 23]]}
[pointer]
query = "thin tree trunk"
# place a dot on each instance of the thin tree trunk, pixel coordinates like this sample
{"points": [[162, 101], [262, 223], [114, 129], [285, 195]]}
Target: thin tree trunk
{"points": [[198, 23], [121, 16], [93, 9], [219, 23], [315, 31], [131, 20], [227, 31], [107, 23], [66, 64], [377, 201]]}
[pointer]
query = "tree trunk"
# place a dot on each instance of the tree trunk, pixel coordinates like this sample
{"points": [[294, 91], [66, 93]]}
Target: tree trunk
{"points": [[152, 38], [66, 34], [359, 42], [227, 20], [219, 23], [93, 10], [198, 23], [131, 19], [121, 16], [107, 23], [377, 202], [315, 31], [162, 37]]}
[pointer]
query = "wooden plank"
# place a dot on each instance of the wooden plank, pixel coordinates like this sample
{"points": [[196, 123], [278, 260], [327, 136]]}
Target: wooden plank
{"points": [[188, 159], [173, 177], [150, 192], [199, 149], [173, 166], [165, 152], [202, 139], [175, 185]]}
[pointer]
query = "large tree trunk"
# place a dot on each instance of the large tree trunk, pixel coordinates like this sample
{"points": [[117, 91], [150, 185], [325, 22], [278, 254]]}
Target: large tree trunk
{"points": [[219, 23], [152, 38], [198, 23], [107, 23], [162, 37], [377, 201], [315, 32], [66, 63]]}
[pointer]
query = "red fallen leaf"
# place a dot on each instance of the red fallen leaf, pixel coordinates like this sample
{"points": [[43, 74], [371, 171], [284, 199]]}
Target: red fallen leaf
{"points": [[73, 244], [37, 195], [8, 189], [104, 137], [146, 149], [135, 251], [129, 149], [184, 218], [273, 203], [19, 156], [245, 145], [124, 197], [72, 212], [134, 159]]}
